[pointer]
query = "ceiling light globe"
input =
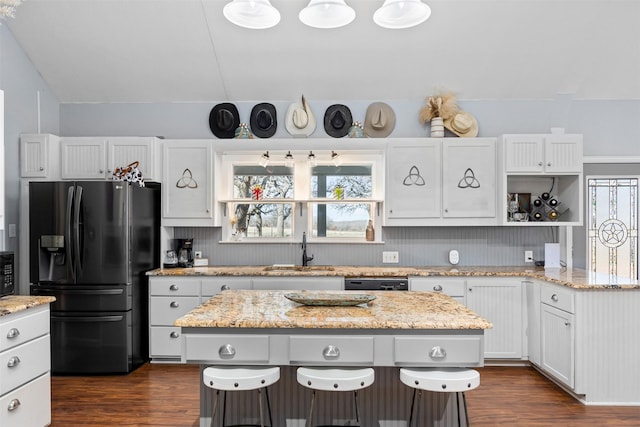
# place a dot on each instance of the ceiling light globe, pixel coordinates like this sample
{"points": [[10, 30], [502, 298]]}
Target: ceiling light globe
{"points": [[397, 14], [253, 14], [327, 14]]}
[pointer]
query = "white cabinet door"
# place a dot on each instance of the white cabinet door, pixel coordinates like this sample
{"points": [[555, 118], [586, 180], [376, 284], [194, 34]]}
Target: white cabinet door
{"points": [[83, 158], [524, 153], [413, 180], [500, 302], [124, 151], [532, 328], [469, 177], [558, 344], [563, 153], [34, 156], [187, 183]]}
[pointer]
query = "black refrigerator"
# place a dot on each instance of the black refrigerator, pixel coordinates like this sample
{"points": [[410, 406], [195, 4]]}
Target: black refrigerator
{"points": [[91, 243]]}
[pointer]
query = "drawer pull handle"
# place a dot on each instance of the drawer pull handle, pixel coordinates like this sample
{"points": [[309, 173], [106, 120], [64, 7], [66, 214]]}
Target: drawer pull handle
{"points": [[173, 288], [13, 405], [227, 351], [174, 304], [14, 361], [437, 288], [331, 352], [438, 352], [13, 333], [554, 298], [224, 288], [174, 334]]}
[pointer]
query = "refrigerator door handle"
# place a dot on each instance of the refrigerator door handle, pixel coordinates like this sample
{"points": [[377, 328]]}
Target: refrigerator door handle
{"points": [[76, 228], [67, 236]]}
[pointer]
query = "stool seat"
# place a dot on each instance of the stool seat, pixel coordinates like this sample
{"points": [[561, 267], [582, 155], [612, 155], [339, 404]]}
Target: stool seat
{"points": [[231, 378], [448, 380], [333, 379]]}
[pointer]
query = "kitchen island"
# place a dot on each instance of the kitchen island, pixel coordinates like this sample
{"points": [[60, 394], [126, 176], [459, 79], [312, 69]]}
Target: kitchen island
{"points": [[248, 327]]}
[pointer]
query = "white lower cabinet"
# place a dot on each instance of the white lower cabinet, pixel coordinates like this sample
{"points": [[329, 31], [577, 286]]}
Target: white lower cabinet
{"points": [[25, 363], [557, 334], [499, 300]]}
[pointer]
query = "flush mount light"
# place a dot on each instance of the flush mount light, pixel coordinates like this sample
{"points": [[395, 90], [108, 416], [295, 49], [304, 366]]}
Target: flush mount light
{"points": [[288, 159], [327, 14], [398, 14], [264, 159], [254, 14]]}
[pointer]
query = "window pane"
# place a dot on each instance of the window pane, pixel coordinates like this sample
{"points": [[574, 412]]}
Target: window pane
{"points": [[262, 220], [257, 182], [341, 182], [613, 226], [341, 220]]}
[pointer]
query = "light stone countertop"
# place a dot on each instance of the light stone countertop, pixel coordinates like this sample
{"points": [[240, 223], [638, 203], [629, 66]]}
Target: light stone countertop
{"points": [[14, 303], [390, 310], [573, 278]]}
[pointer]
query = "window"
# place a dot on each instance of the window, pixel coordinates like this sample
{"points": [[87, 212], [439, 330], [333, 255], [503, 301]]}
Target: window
{"points": [[612, 226], [287, 197]]}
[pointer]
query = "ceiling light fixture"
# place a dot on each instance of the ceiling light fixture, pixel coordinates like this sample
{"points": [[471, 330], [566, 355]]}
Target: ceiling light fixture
{"points": [[8, 8], [288, 159], [327, 14], [264, 159], [254, 14], [397, 14]]}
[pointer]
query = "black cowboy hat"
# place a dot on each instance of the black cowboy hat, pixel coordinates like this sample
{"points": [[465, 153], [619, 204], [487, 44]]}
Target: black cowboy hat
{"points": [[224, 119], [263, 120], [337, 120]]}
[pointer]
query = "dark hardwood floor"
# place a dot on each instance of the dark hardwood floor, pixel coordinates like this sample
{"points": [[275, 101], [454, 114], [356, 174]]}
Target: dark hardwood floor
{"points": [[168, 395]]}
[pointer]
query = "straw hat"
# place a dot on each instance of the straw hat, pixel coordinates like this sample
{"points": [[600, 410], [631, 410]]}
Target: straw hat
{"points": [[462, 124], [300, 120], [379, 120]]}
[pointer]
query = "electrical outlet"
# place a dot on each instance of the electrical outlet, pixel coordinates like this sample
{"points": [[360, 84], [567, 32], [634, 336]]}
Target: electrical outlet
{"points": [[198, 254], [528, 256], [12, 230], [389, 257]]}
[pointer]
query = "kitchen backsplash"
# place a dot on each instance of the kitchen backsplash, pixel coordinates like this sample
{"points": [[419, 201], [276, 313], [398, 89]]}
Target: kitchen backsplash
{"points": [[417, 246]]}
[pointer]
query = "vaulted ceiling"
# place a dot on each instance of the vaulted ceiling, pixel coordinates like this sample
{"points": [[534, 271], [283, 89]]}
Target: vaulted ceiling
{"points": [[186, 51]]}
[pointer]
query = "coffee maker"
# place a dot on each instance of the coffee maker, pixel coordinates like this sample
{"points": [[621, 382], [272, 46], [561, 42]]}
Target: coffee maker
{"points": [[184, 248]]}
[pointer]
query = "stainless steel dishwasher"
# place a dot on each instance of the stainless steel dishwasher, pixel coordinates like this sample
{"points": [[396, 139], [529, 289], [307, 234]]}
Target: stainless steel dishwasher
{"points": [[376, 284]]}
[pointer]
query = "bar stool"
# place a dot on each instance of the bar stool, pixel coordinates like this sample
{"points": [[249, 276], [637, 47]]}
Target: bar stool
{"points": [[443, 380], [334, 379], [229, 378]]}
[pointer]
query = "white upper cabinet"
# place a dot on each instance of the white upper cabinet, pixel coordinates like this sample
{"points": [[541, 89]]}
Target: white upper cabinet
{"points": [[469, 178], [187, 183], [441, 181], [413, 180], [97, 158], [554, 153], [38, 156]]}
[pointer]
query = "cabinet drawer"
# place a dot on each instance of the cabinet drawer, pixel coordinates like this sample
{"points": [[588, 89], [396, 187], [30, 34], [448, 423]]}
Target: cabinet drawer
{"points": [[165, 310], [23, 363], [438, 351], [165, 341], [319, 350], [227, 348], [212, 286], [24, 327], [559, 298], [451, 287], [174, 286], [27, 406]]}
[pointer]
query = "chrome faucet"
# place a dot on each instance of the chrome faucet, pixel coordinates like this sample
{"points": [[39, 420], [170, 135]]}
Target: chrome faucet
{"points": [[305, 258]]}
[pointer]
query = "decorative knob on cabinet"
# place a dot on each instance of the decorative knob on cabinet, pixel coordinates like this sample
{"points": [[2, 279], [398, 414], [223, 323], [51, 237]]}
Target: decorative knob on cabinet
{"points": [[540, 163], [174, 334], [549, 164], [437, 288], [174, 304], [226, 351], [173, 288], [13, 362], [224, 288], [554, 298], [41, 168], [331, 352], [438, 352], [13, 333], [13, 405]]}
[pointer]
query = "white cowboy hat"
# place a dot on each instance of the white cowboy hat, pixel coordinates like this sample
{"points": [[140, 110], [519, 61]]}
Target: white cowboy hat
{"points": [[300, 120], [462, 124]]}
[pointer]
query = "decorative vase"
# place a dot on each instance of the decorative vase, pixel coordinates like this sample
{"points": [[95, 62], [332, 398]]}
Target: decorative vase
{"points": [[437, 127]]}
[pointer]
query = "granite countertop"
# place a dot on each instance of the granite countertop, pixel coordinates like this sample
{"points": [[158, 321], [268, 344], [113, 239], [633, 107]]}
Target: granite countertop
{"points": [[14, 303], [573, 278], [390, 310]]}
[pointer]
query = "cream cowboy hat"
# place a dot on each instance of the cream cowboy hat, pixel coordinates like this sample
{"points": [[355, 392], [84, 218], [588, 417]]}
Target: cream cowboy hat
{"points": [[300, 120], [379, 120], [462, 124]]}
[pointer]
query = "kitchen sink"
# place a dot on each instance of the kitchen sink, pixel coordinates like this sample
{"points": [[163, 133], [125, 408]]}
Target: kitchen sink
{"points": [[298, 268]]}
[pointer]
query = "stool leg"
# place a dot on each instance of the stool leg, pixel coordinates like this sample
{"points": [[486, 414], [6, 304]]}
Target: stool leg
{"points": [[466, 414], [260, 406], [224, 408], [413, 403], [355, 398], [310, 416], [418, 402], [215, 406], [266, 394]]}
